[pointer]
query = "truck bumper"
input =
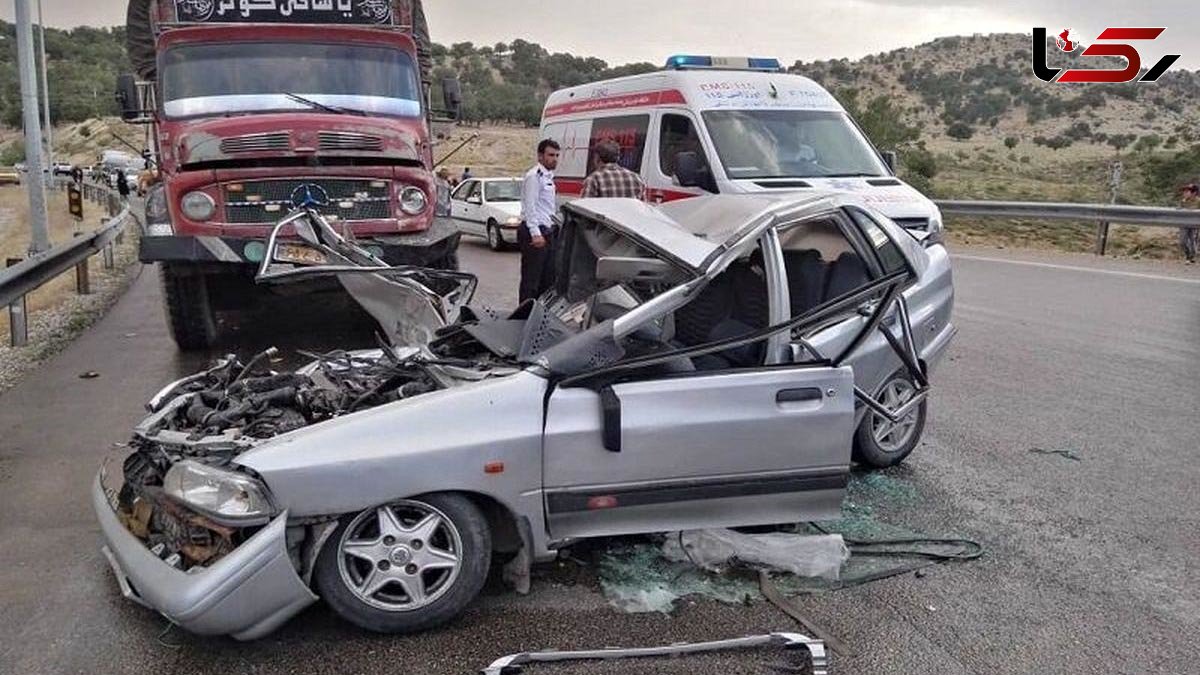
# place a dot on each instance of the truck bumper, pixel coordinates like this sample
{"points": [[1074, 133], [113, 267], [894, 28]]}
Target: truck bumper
{"points": [[247, 594], [423, 249]]}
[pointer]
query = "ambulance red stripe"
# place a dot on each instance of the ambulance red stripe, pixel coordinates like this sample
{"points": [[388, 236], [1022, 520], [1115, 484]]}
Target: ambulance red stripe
{"points": [[638, 100]]}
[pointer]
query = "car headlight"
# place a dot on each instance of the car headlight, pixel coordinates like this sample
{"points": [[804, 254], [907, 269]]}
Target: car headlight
{"points": [[198, 206], [936, 230], [413, 201], [220, 493], [513, 221]]}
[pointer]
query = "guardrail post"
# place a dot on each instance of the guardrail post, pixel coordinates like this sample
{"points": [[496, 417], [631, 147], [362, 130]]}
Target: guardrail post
{"points": [[18, 324], [83, 285], [1102, 237], [109, 263]]}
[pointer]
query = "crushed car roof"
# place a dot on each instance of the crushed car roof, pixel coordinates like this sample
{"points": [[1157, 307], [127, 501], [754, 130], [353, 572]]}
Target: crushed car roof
{"points": [[692, 230]]}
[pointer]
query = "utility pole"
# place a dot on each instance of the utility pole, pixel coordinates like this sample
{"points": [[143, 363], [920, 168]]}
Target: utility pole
{"points": [[49, 126], [26, 64]]}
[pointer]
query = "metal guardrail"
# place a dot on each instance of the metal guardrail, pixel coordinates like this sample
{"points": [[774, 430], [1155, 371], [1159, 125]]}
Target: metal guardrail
{"points": [[1112, 213], [26, 276], [1102, 214]]}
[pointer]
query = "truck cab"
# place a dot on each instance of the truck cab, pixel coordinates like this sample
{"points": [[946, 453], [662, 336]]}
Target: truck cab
{"points": [[728, 125], [263, 109]]}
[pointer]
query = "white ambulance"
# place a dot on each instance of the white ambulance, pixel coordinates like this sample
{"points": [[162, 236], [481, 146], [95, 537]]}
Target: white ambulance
{"points": [[728, 125]]}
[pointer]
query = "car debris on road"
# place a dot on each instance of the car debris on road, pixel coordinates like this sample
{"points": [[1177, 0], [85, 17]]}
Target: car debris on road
{"points": [[800, 329], [819, 659]]}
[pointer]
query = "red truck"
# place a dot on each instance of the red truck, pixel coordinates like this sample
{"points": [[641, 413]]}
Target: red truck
{"points": [[258, 107]]}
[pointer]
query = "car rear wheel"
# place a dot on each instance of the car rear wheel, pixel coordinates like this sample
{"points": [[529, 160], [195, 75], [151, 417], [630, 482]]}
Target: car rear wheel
{"points": [[406, 566], [494, 237], [881, 443]]}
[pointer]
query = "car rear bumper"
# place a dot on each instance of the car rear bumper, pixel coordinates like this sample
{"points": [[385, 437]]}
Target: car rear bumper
{"points": [[247, 594]]}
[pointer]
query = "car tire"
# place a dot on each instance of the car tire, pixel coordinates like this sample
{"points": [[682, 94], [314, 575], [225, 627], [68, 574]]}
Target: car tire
{"points": [[190, 315], [495, 237], [359, 548], [880, 444]]}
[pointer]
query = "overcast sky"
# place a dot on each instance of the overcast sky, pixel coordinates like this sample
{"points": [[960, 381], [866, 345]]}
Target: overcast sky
{"points": [[620, 31]]}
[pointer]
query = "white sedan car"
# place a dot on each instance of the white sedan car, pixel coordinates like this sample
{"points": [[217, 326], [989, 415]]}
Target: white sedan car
{"points": [[489, 208]]}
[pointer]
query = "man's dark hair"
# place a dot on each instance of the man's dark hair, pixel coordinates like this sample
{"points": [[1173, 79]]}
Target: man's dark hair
{"points": [[608, 151], [548, 143]]}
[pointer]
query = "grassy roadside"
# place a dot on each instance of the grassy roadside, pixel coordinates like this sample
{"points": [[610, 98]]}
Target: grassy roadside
{"points": [[14, 241], [56, 313]]}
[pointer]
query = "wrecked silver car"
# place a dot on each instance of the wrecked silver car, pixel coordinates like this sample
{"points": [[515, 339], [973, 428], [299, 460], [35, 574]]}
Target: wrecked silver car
{"points": [[718, 362]]}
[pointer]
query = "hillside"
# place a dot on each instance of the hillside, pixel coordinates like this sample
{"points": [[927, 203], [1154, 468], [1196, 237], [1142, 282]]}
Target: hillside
{"points": [[982, 88]]}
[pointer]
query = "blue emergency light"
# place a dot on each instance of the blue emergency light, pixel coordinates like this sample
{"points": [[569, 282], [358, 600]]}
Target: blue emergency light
{"points": [[692, 62]]}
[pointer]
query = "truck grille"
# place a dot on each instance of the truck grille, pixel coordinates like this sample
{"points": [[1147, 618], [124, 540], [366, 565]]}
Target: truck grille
{"points": [[278, 140], [348, 140], [268, 201]]}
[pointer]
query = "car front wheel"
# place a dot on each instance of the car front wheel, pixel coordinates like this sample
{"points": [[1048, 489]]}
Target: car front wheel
{"points": [[495, 238], [881, 443], [406, 566]]}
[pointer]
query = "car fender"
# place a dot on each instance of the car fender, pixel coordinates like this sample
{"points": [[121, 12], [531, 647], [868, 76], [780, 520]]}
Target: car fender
{"points": [[483, 437]]}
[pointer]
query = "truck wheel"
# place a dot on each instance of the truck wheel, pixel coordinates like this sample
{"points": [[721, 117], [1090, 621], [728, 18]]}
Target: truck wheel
{"points": [[189, 311], [406, 566], [880, 443], [494, 237]]}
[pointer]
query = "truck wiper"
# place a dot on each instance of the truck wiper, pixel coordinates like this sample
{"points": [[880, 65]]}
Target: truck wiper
{"points": [[323, 106], [850, 175]]}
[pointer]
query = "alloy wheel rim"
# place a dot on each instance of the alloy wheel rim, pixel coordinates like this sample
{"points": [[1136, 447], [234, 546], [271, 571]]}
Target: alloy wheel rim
{"points": [[893, 436], [400, 557], [493, 237]]}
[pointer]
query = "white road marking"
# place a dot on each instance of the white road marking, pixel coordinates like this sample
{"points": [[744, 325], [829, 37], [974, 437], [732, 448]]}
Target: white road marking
{"points": [[1075, 268]]}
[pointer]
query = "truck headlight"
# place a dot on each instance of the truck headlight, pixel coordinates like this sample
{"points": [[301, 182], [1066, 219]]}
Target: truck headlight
{"points": [[413, 201], [158, 220], [198, 206], [223, 494]]}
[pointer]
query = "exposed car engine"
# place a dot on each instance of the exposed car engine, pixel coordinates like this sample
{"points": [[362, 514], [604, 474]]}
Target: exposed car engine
{"points": [[215, 415]]}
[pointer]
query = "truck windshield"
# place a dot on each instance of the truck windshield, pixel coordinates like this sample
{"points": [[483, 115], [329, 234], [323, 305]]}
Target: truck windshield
{"points": [[215, 79], [791, 144]]}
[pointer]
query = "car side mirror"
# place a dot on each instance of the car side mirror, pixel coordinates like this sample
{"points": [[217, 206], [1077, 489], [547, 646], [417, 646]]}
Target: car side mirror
{"points": [[619, 269], [452, 97], [128, 98], [889, 158]]}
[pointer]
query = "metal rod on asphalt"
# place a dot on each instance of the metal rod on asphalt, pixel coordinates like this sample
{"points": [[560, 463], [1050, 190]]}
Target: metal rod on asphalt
{"points": [[49, 126], [18, 317], [39, 236]]}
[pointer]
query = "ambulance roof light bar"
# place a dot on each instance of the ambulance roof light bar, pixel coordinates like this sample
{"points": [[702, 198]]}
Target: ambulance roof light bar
{"points": [[692, 62]]}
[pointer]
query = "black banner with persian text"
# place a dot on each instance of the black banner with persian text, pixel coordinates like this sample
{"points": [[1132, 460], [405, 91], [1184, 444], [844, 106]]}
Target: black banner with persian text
{"points": [[361, 12]]}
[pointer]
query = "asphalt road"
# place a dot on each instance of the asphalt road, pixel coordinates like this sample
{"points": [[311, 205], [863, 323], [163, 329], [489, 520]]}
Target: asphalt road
{"points": [[1090, 565]]}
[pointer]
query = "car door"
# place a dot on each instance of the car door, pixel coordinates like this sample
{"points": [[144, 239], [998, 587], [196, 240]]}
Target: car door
{"points": [[729, 446], [702, 450], [463, 210]]}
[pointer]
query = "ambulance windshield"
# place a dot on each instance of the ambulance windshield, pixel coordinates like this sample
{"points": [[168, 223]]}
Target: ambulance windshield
{"points": [[755, 144]]}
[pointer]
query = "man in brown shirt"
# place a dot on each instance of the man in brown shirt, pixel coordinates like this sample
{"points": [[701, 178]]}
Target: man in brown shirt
{"points": [[611, 179]]}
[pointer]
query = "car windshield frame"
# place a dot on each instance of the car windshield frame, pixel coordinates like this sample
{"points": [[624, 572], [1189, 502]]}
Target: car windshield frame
{"points": [[391, 90], [740, 138], [489, 196]]}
